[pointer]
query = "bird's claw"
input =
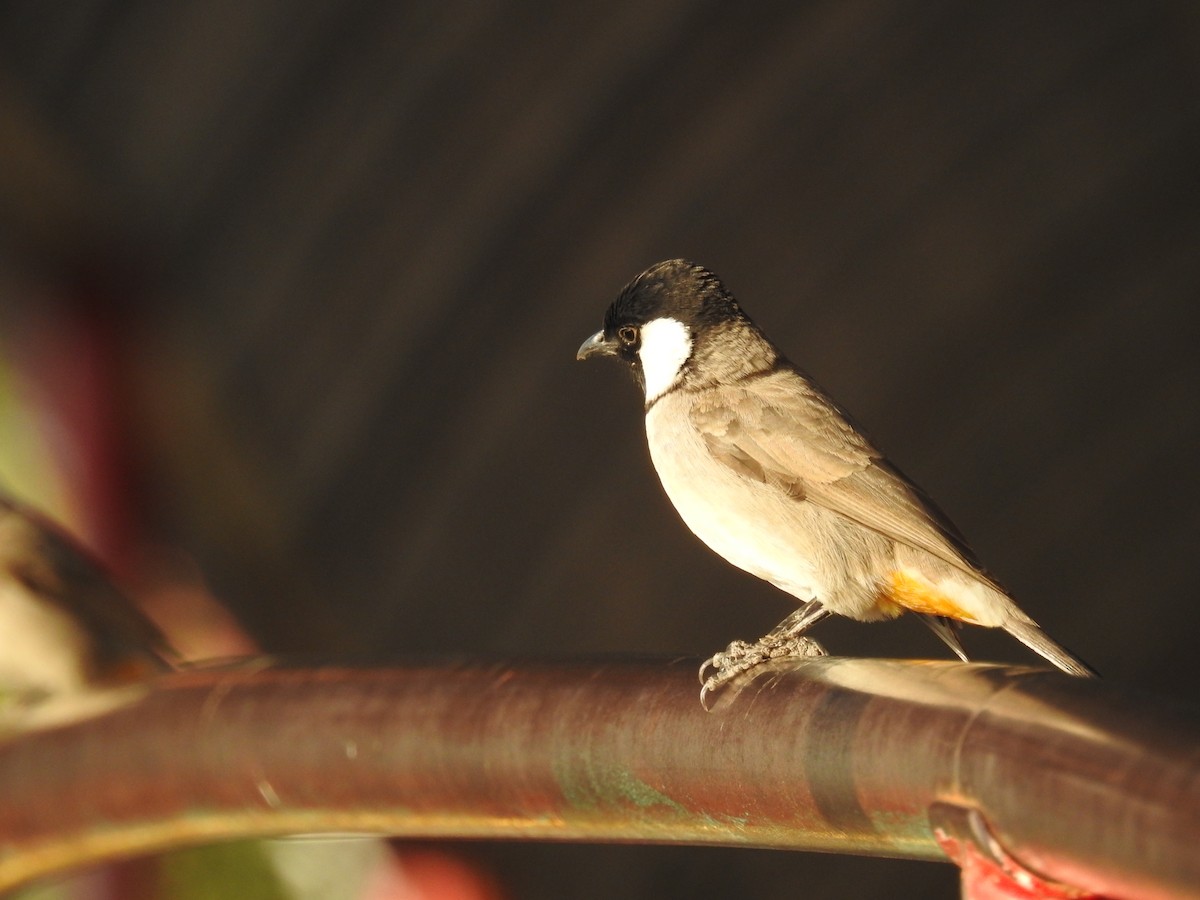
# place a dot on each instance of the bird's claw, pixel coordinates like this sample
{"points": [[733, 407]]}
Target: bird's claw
{"points": [[741, 656]]}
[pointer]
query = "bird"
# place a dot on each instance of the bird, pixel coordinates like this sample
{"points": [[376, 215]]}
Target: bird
{"points": [[774, 476], [65, 629]]}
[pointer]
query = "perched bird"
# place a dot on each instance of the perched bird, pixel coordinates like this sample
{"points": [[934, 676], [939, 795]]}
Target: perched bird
{"points": [[65, 630], [770, 473]]}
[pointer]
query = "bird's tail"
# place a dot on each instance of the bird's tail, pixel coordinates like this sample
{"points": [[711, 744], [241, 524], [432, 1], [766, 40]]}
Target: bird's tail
{"points": [[1028, 633]]}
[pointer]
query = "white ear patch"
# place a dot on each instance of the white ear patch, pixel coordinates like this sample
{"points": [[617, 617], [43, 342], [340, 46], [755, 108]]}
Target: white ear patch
{"points": [[666, 346]]}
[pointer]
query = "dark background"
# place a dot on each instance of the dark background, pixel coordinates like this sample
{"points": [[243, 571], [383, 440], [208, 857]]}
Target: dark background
{"points": [[352, 248]]}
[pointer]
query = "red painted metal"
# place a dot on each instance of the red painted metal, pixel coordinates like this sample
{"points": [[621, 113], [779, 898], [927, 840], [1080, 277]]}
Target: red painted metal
{"points": [[1083, 783]]}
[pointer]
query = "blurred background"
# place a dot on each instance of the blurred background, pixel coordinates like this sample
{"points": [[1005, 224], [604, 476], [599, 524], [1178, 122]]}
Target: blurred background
{"points": [[290, 294]]}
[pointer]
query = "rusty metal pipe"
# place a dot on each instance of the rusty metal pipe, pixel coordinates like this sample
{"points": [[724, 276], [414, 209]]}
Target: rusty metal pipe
{"points": [[1081, 781]]}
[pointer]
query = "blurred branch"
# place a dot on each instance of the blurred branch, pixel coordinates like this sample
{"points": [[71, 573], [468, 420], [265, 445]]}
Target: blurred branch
{"points": [[1079, 780]]}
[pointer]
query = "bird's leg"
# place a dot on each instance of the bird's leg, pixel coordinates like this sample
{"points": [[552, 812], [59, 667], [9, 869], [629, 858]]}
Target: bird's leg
{"points": [[784, 640], [947, 630], [798, 621]]}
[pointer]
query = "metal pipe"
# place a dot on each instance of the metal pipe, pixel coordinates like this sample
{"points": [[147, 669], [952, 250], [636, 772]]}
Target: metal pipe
{"points": [[1079, 780]]}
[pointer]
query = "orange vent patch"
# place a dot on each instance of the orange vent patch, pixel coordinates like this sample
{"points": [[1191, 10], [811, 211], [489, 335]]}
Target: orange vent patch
{"points": [[920, 596]]}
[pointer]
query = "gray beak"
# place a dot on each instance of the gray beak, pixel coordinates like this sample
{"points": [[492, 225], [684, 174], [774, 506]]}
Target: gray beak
{"points": [[596, 345]]}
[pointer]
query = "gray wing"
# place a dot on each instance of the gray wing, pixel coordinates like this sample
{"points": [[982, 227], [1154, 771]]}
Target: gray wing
{"points": [[782, 430]]}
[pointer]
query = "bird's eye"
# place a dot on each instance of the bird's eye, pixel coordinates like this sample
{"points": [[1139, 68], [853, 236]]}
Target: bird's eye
{"points": [[627, 335]]}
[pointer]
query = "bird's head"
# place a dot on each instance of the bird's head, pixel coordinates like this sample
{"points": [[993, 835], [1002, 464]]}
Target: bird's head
{"points": [[669, 325]]}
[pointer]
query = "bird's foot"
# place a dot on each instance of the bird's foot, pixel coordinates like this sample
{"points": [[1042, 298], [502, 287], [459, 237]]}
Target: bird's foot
{"points": [[741, 656]]}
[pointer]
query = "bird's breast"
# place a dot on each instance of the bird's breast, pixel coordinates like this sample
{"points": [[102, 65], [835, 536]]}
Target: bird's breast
{"points": [[747, 522]]}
